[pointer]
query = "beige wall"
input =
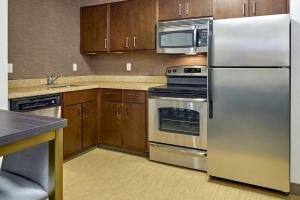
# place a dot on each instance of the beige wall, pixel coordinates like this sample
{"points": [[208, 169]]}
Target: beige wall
{"points": [[44, 38]]}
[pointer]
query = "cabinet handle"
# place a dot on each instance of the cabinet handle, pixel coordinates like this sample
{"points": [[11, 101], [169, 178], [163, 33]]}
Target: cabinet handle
{"points": [[134, 41], [105, 43], [85, 115], [187, 9], [118, 113], [244, 9], [126, 110], [179, 9], [254, 7], [79, 111], [127, 42]]}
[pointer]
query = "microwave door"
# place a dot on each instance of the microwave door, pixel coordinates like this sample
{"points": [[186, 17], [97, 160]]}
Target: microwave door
{"points": [[176, 40]]}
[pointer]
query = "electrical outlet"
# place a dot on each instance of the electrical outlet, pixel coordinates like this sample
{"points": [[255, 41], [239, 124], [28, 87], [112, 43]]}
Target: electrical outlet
{"points": [[128, 67], [10, 68], [75, 67]]}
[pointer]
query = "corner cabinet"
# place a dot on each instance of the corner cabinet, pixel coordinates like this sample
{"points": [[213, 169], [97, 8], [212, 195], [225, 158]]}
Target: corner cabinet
{"points": [[182, 9], [93, 37], [244, 8], [124, 119], [80, 108]]}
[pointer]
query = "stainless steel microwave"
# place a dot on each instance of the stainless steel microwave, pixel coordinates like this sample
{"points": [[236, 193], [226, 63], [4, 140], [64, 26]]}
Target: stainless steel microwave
{"points": [[189, 36]]}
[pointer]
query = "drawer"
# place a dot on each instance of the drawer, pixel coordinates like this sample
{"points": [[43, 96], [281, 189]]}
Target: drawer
{"points": [[77, 97], [112, 95], [134, 96]]}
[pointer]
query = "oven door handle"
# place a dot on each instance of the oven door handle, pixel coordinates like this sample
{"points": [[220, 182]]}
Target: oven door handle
{"points": [[178, 150], [179, 99]]}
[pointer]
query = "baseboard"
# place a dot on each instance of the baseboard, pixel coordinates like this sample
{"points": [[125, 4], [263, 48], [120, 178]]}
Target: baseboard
{"points": [[123, 150], [295, 189]]}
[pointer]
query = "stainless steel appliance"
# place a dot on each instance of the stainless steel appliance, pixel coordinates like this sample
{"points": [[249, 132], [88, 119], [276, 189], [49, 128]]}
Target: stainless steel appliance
{"points": [[249, 101], [178, 118], [45, 105], [183, 36]]}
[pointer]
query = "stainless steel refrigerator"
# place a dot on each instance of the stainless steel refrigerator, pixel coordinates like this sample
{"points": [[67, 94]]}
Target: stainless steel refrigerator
{"points": [[249, 101]]}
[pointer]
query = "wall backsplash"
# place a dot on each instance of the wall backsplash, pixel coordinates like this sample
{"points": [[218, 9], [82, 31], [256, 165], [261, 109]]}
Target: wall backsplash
{"points": [[44, 38]]}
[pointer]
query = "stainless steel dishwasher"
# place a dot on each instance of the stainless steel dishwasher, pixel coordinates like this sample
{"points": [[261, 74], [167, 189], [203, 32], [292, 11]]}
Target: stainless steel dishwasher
{"points": [[45, 105]]}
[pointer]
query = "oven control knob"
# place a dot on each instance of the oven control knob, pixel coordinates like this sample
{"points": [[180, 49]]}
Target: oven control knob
{"points": [[169, 71], [174, 70]]}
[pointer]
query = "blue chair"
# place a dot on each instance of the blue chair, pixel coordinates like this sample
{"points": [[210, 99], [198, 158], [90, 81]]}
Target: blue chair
{"points": [[25, 175]]}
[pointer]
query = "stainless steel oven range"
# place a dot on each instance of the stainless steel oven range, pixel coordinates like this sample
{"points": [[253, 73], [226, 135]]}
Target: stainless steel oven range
{"points": [[178, 118]]}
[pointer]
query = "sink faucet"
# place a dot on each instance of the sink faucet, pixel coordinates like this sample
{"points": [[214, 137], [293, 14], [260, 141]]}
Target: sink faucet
{"points": [[52, 79]]}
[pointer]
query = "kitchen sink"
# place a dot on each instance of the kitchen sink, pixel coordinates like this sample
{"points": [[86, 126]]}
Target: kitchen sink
{"points": [[60, 85]]}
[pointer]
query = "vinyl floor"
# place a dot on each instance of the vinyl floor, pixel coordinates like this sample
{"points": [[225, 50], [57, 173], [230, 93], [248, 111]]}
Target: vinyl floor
{"points": [[108, 175]]}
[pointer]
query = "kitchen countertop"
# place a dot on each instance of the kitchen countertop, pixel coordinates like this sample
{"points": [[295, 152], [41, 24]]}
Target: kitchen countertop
{"points": [[18, 126], [18, 92]]}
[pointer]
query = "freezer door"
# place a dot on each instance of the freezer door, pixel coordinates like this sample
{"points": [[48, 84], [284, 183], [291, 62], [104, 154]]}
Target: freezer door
{"points": [[248, 130], [251, 41]]}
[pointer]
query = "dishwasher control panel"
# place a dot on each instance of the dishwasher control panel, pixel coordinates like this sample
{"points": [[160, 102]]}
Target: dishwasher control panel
{"points": [[27, 104]]}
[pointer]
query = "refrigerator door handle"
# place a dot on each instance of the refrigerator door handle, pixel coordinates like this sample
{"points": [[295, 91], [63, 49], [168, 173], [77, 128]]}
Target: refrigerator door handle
{"points": [[210, 99]]}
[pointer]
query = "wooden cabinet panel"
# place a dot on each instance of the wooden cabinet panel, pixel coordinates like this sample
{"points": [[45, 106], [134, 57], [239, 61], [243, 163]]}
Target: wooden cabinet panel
{"points": [[78, 97], [94, 28], [171, 9], [230, 9], [144, 20], [120, 26], [268, 7], [134, 96], [198, 8], [111, 129], [72, 134], [134, 135], [112, 95], [89, 124]]}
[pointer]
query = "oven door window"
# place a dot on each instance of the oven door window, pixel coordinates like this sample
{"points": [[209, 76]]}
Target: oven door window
{"points": [[177, 39], [180, 121]]}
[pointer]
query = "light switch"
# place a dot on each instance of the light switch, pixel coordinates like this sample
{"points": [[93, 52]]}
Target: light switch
{"points": [[128, 67], [10, 68], [75, 67]]}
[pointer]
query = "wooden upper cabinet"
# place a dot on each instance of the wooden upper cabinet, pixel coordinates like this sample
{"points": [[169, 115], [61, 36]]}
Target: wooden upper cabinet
{"points": [[170, 9], [244, 8], [268, 7], [144, 20], [181, 9], [94, 29], [120, 26], [198, 8], [230, 9]]}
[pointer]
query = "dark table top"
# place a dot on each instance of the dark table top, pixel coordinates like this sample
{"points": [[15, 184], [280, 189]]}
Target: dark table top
{"points": [[16, 126]]}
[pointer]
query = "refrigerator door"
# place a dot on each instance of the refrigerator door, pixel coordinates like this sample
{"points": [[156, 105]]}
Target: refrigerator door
{"points": [[248, 129], [251, 41]]}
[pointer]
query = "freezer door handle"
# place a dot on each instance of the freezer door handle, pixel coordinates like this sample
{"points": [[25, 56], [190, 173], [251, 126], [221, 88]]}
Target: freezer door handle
{"points": [[210, 99]]}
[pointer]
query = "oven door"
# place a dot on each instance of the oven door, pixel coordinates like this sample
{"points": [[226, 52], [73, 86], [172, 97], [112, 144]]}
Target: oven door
{"points": [[177, 40], [178, 121]]}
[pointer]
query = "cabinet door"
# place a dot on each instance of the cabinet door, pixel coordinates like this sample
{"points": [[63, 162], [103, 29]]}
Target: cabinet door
{"points": [[94, 28], [72, 134], [230, 9], [171, 9], [134, 124], [198, 8], [144, 20], [120, 26], [111, 130], [268, 7], [89, 124]]}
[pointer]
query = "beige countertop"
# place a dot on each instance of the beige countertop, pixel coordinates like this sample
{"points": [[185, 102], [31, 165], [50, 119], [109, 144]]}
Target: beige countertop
{"points": [[18, 91]]}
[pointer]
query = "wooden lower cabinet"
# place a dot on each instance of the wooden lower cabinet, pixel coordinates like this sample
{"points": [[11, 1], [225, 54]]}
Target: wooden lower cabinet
{"points": [[134, 137], [89, 124], [80, 108], [72, 134], [111, 128], [123, 121]]}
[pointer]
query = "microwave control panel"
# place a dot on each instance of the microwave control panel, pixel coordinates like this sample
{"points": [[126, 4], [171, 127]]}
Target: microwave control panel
{"points": [[202, 36]]}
